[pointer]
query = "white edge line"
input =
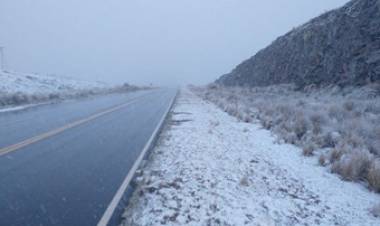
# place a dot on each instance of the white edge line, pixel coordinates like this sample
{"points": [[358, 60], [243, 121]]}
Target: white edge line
{"points": [[120, 192], [19, 108]]}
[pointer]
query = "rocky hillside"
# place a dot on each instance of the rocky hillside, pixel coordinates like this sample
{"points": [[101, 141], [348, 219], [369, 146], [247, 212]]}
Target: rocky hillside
{"points": [[340, 47]]}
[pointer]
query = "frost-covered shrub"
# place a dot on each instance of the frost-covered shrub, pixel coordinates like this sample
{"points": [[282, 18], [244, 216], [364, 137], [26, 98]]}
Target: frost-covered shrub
{"points": [[373, 108], [374, 146], [343, 122], [19, 98], [349, 105], [300, 125], [54, 96], [353, 165], [308, 150], [374, 175], [352, 139], [373, 141], [322, 160], [317, 120], [336, 154], [335, 113], [330, 139]]}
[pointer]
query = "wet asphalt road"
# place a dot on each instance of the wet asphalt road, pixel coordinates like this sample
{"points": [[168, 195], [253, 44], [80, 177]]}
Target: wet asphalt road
{"points": [[70, 178]]}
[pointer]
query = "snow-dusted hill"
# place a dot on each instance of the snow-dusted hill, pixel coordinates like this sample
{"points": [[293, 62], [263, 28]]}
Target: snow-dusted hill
{"points": [[41, 84], [340, 47], [20, 89]]}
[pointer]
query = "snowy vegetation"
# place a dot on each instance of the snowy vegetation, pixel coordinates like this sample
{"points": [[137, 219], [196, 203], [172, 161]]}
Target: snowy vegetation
{"points": [[18, 89], [339, 125], [210, 169]]}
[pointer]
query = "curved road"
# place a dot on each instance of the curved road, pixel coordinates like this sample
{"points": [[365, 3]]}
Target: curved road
{"points": [[61, 164]]}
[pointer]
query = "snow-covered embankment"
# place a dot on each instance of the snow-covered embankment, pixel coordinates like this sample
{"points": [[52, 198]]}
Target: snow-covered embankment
{"points": [[20, 89], [211, 169]]}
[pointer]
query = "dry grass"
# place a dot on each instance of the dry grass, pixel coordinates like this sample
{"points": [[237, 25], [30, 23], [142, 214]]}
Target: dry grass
{"points": [[353, 166], [344, 123], [308, 150], [374, 175], [322, 160]]}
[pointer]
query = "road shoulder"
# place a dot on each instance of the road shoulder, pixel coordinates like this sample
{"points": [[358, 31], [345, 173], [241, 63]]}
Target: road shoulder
{"points": [[210, 169]]}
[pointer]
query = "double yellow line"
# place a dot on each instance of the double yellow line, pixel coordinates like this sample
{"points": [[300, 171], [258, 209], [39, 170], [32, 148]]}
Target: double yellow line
{"points": [[51, 133]]}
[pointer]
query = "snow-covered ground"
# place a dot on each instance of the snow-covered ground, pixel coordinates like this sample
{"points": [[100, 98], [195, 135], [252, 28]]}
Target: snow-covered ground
{"points": [[41, 84], [211, 169], [19, 91]]}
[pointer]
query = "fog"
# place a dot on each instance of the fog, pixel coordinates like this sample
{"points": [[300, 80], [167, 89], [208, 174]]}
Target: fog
{"points": [[164, 42]]}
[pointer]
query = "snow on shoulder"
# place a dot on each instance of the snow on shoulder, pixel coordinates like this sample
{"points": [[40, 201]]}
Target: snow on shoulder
{"points": [[210, 169]]}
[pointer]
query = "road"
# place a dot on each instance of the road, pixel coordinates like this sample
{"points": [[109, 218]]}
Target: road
{"points": [[61, 164]]}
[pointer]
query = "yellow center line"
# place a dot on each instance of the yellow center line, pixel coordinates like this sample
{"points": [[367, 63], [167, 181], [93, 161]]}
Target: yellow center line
{"points": [[53, 132]]}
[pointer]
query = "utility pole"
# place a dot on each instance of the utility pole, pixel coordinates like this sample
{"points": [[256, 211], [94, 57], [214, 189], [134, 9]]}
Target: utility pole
{"points": [[2, 60]]}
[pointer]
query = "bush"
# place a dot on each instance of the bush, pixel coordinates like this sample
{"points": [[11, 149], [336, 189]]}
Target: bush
{"points": [[353, 166], [330, 139], [353, 140], [336, 154], [374, 175], [317, 120], [19, 98], [322, 160], [334, 112], [308, 150], [349, 105], [300, 125], [373, 142], [374, 146]]}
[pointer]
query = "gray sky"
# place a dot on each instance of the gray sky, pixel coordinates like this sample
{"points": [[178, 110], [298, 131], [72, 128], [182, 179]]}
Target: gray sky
{"points": [[165, 42]]}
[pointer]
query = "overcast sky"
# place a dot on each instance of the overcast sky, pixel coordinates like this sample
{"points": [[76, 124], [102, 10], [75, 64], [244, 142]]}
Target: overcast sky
{"points": [[162, 42]]}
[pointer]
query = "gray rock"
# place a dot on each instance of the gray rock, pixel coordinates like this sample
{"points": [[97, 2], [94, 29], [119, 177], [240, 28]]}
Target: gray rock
{"points": [[340, 47]]}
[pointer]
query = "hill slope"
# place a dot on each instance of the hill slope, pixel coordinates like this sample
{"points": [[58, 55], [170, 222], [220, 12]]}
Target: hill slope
{"points": [[20, 88], [340, 47], [12, 82]]}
